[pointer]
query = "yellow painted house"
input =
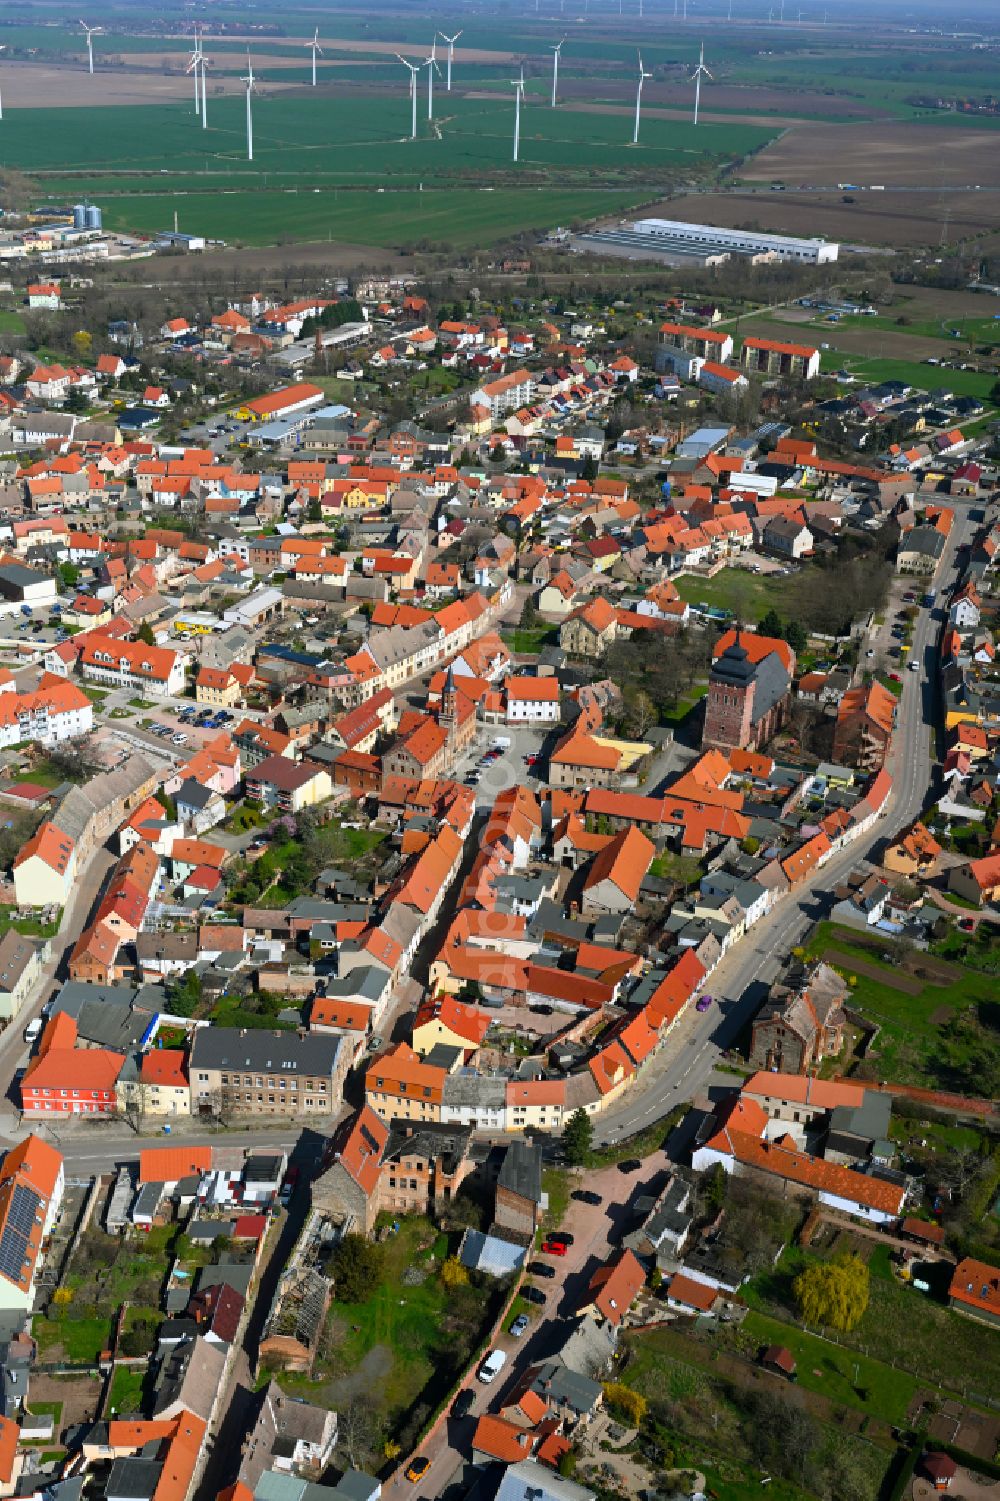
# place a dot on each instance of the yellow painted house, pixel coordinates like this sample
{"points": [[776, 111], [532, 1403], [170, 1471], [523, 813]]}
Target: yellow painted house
{"points": [[445, 1020]]}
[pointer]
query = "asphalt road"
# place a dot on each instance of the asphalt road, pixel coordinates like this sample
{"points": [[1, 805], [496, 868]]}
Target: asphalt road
{"points": [[740, 980]]}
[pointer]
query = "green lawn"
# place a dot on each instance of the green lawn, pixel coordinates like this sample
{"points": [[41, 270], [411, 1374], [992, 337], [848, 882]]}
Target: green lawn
{"points": [[684, 705], [421, 1334], [828, 1368], [557, 1183], [529, 641], [42, 775], [78, 1339], [748, 595], [11, 322], [54, 1409], [925, 1036], [887, 682], [670, 867], [30, 926], [921, 377], [126, 1389]]}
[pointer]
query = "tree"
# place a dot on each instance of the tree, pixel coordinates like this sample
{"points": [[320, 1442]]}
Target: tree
{"points": [[68, 575], [83, 344], [770, 624], [357, 1269], [796, 636], [834, 1293], [712, 1188], [185, 994], [578, 1134], [640, 711], [145, 634], [453, 1273], [626, 1405]]}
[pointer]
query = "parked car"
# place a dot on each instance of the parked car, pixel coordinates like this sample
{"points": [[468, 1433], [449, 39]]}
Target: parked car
{"points": [[630, 1165], [417, 1468], [586, 1196], [554, 1248], [179, 739], [532, 1294], [562, 1238], [492, 1366], [541, 1269], [463, 1403], [703, 1003], [520, 1325]]}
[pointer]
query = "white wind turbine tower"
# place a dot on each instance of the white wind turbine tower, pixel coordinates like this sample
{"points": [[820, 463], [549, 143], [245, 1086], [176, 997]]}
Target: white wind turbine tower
{"points": [[556, 54], [451, 40], [192, 67], [91, 31], [204, 91], [700, 72], [414, 70], [431, 64], [638, 100], [251, 84], [518, 86], [317, 51]]}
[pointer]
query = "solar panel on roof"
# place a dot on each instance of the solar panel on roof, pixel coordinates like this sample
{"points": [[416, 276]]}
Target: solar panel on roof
{"points": [[13, 1253], [24, 1207]]}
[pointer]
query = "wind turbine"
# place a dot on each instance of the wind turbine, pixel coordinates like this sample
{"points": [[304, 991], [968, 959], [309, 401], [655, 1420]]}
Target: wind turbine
{"points": [[556, 54], [700, 72], [451, 40], [518, 86], [317, 51], [192, 67], [430, 64], [91, 31], [638, 100], [251, 84], [414, 70]]}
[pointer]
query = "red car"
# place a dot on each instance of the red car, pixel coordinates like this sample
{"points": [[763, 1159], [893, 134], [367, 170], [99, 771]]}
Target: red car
{"points": [[554, 1248]]}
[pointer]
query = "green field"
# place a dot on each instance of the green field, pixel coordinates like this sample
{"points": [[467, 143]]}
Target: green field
{"points": [[919, 1336], [748, 595], [463, 217], [931, 1035], [307, 151], [921, 377], [350, 139], [837, 1373]]}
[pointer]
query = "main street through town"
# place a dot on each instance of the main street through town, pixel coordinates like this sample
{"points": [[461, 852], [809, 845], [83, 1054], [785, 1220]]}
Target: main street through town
{"points": [[686, 1067]]}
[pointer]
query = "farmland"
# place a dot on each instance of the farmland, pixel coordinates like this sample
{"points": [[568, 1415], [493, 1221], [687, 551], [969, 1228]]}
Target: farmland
{"points": [[914, 154], [817, 105], [309, 150], [465, 217]]}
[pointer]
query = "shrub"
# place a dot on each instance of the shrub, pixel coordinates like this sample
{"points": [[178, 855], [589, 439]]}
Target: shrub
{"points": [[624, 1404]]}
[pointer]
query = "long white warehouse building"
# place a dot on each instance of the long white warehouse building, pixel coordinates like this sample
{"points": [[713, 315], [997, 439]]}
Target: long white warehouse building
{"points": [[739, 241]]}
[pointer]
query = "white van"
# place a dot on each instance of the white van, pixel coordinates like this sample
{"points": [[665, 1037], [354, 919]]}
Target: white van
{"points": [[492, 1366], [33, 1028]]}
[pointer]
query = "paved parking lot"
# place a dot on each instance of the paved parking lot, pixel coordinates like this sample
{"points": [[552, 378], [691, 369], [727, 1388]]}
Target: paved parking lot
{"points": [[510, 768]]}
